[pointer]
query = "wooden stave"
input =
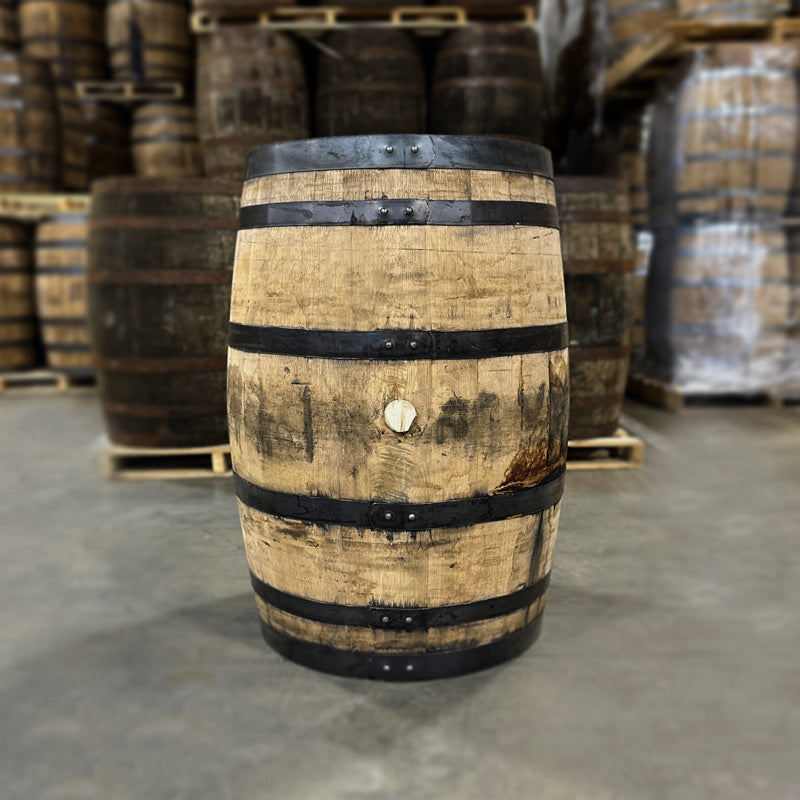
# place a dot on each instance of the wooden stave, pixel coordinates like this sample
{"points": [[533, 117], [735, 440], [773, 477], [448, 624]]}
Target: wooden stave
{"points": [[34, 166], [294, 633], [599, 284], [489, 72], [168, 391], [107, 139], [164, 140], [165, 51], [60, 256], [228, 51], [18, 343], [377, 85]]}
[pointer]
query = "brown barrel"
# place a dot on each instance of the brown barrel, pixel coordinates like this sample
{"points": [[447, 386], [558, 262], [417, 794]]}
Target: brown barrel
{"points": [[61, 254], [634, 138], [8, 25], [725, 141], [164, 141], [487, 80], [74, 140], [718, 306], [160, 259], [398, 422], [68, 34], [632, 22], [720, 11], [251, 89], [149, 39], [597, 241], [17, 311], [370, 81], [29, 142], [107, 140]]}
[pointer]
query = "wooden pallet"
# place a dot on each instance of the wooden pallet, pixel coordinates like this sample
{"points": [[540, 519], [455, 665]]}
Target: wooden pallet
{"points": [[149, 463], [636, 73], [45, 381], [316, 19], [129, 91], [620, 451], [31, 207], [664, 395]]}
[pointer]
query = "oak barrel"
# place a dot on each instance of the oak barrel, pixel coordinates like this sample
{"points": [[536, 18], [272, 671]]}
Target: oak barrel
{"points": [[632, 22], [107, 140], [160, 261], [370, 81], [487, 80], [398, 390], [74, 140], [68, 34], [17, 310], [721, 11], [60, 256], [597, 242], [149, 40], [29, 142], [164, 140], [9, 35], [251, 89], [634, 138], [725, 141], [718, 305]]}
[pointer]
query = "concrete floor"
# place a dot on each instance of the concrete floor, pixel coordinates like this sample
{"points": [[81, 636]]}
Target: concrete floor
{"points": [[132, 667]]}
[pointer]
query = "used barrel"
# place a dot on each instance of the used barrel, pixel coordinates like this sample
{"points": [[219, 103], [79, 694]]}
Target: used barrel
{"points": [[632, 22], [160, 259], [634, 138], [8, 25], [74, 140], [597, 242], [725, 141], [487, 80], [68, 34], [721, 11], [29, 143], [370, 81], [108, 152], [164, 141], [149, 40], [398, 390], [718, 306], [17, 312], [251, 89], [61, 254]]}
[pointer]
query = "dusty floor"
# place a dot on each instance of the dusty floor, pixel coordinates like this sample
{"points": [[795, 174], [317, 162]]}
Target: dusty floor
{"points": [[132, 667]]}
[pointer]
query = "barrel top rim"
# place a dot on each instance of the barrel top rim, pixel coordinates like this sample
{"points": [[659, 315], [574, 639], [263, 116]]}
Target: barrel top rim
{"points": [[134, 184], [397, 151]]}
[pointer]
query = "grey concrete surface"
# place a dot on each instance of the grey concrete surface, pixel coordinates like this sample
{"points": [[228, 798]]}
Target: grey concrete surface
{"points": [[132, 668]]}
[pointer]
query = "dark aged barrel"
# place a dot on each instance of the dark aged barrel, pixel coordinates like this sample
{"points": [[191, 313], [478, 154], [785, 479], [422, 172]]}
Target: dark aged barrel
{"points": [[251, 89], [74, 140], [164, 140], [160, 259], [68, 34], [61, 292], [17, 311], [634, 139], [8, 25], [487, 80], [398, 389], [29, 144], [149, 39], [597, 241], [370, 81], [108, 152]]}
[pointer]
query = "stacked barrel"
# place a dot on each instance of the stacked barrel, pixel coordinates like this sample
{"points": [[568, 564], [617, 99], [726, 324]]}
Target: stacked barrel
{"points": [[722, 160]]}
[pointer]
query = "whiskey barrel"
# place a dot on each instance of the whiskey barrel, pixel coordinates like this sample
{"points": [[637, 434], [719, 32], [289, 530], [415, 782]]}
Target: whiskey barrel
{"points": [[718, 306], [251, 89], [74, 140], [8, 25], [370, 81], [68, 34], [164, 140], [487, 80], [107, 140], [597, 242], [725, 142], [160, 259], [632, 22], [29, 143], [720, 11], [149, 40], [634, 138], [398, 422], [17, 312], [61, 292]]}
